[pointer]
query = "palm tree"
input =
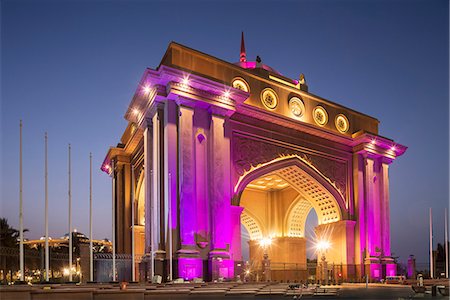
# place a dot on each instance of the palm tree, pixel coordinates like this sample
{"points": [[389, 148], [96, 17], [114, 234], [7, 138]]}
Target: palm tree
{"points": [[8, 235], [9, 239]]}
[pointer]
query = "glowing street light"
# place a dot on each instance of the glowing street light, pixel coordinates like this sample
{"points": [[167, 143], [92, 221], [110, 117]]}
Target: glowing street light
{"points": [[321, 247], [265, 242]]}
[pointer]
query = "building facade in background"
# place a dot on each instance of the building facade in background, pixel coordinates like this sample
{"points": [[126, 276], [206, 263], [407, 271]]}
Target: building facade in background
{"points": [[212, 145]]}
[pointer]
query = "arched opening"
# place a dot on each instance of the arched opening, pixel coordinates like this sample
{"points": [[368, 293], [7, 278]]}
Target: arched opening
{"points": [[284, 207], [139, 221]]}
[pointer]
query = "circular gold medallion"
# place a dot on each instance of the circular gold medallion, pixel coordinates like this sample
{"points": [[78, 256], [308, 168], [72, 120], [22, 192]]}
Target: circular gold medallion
{"points": [[269, 98], [240, 84], [296, 107], [320, 115], [341, 123]]}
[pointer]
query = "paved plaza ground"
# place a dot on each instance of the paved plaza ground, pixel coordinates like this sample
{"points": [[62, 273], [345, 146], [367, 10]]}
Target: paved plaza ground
{"points": [[230, 291]]}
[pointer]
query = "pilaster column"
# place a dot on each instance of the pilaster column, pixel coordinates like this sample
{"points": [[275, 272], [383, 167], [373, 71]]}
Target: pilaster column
{"points": [[148, 142], [236, 250], [372, 211], [157, 202], [385, 209], [220, 190], [187, 179], [360, 213], [220, 200], [373, 229], [189, 262], [170, 167]]}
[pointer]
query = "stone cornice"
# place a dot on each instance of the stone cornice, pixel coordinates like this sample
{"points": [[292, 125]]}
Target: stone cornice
{"points": [[375, 146]]}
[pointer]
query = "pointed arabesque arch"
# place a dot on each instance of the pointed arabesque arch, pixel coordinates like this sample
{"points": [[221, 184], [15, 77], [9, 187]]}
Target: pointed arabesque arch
{"points": [[326, 199]]}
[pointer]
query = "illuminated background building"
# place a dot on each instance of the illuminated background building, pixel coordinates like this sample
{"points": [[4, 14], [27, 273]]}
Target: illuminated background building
{"points": [[211, 145]]}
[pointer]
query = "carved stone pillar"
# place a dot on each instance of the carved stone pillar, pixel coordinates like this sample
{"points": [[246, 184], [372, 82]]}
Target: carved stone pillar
{"points": [[148, 183], [157, 201], [189, 261], [220, 199], [201, 140], [389, 267], [360, 226], [170, 182], [236, 249], [148, 142], [385, 210], [372, 261]]}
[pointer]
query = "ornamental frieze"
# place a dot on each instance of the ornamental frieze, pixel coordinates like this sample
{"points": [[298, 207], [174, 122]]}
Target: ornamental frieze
{"points": [[250, 152]]}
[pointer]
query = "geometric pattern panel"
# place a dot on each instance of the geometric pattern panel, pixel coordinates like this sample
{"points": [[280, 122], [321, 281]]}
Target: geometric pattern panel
{"points": [[297, 218], [252, 226], [324, 203], [269, 182]]}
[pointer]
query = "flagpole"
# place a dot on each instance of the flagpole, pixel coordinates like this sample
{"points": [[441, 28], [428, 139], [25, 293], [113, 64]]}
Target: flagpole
{"points": [[431, 247], [22, 269], [91, 261], [113, 220], [446, 244], [133, 269], [47, 263], [70, 219]]}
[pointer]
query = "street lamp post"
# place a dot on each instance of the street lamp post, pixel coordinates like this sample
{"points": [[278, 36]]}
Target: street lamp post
{"points": [[322, 247], [265, 244]]}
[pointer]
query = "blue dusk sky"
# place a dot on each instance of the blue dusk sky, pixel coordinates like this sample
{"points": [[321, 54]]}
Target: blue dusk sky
{"points": [[71, 67]]}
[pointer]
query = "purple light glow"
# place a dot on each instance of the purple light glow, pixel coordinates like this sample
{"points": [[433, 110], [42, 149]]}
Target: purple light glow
{"points": [[375, 271], [190, 268], [252, 65], [223, 268], [391, 270]]}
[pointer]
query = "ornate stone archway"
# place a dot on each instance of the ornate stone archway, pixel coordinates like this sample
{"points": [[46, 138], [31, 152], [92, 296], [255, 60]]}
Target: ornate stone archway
{"points": [[201, 129], [282, 209]]}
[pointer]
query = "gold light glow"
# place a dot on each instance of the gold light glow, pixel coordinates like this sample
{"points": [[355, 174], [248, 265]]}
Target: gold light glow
{"points": [[284, 157], [320, 116], [269, 98], [185, 80], [282, 81], [265, 242], [240, 84], [342, 124], [146, 89], [323, 245]]}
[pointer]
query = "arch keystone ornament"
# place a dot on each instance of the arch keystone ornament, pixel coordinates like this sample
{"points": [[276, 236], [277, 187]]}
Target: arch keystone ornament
{"points": [[220, 147]]}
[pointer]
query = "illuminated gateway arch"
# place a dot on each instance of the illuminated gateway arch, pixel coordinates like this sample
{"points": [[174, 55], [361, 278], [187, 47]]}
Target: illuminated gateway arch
{"points": [[212, 145]]}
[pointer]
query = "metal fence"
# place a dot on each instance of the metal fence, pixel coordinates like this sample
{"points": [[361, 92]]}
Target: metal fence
{"points": [[246, 271], [35, 266]]}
